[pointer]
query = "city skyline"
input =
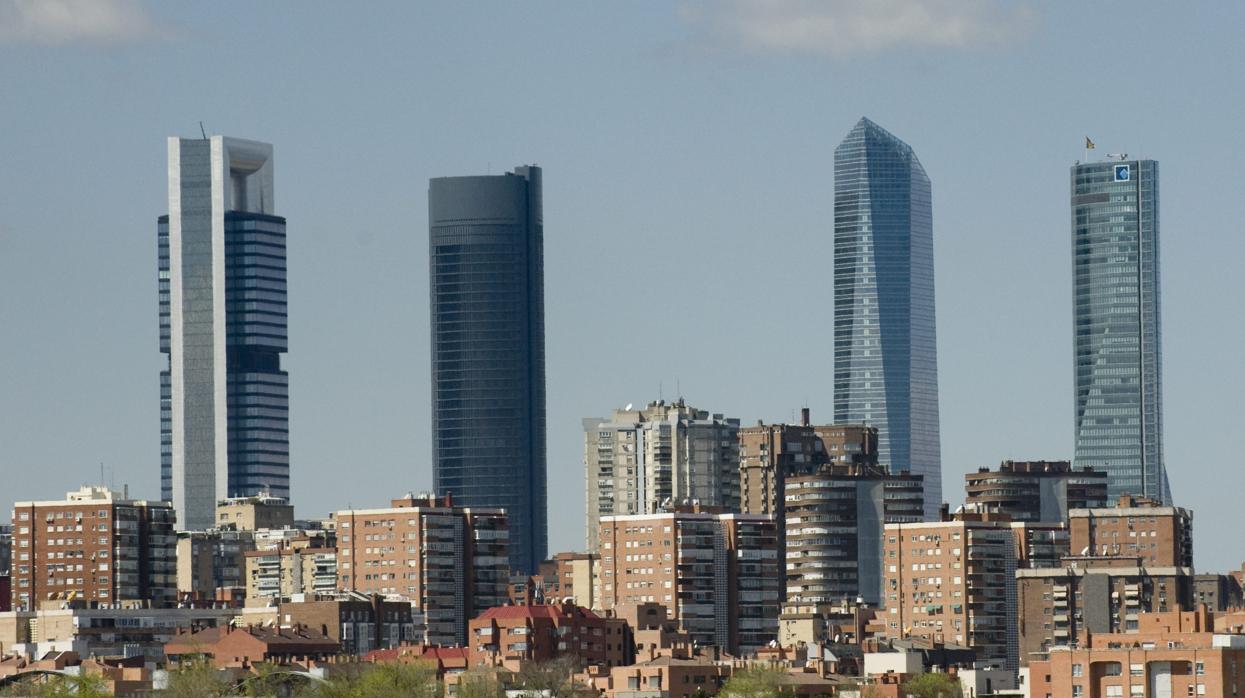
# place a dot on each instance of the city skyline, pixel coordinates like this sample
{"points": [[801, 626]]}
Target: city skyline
{"points": [[648, 148]]}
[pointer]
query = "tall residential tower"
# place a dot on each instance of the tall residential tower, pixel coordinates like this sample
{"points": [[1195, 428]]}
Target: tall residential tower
{"points": [[1117, 333], [486, 252], [224, 398], [885, 358]]}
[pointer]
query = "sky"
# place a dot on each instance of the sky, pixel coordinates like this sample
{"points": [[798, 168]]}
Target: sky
{"points": [[687, 150]]}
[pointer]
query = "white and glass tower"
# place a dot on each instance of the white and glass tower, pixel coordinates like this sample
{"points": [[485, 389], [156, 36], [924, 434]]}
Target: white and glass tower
{"points": [[1117, 331], [224, 398], [885, 354]]}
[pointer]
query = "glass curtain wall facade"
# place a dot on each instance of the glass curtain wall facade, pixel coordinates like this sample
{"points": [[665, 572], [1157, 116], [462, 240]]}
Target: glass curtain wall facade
{"points": [[885, 354], [224, 398], [486, 252], [1117, 328]]}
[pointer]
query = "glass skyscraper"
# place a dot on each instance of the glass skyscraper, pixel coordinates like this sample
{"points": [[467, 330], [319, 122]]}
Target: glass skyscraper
{"points": [[885, 356], [1117, 327], [224, 399], [486, 252]]}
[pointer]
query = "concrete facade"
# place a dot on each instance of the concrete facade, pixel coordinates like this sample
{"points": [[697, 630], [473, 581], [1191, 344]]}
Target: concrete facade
{"points": [[639, 461], [834, 530]]}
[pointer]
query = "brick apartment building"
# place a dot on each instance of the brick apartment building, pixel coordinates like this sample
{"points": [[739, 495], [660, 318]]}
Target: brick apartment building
{"points": [[1035, 490], [513, 635], [1136, 527], [95, 545], [954, 581], [451, 562], [834, 530], [769, 453], [1168, 655], [717, 574], [1093, 595], [361, 624]]}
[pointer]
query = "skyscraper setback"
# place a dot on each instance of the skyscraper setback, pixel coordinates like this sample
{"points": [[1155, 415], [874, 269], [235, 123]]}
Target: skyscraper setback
{"points": [[486, 253], [885, 356], [1117, 328], [224, 398]]}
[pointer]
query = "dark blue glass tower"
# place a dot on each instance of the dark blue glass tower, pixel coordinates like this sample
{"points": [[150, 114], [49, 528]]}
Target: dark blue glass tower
{"points": [[224, 398], [885, 356], [486, 251], [1115, 311]]}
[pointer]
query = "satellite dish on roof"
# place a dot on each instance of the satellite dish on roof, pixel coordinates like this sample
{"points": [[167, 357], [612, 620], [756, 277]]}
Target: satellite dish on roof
{"points": [[627, 408]]}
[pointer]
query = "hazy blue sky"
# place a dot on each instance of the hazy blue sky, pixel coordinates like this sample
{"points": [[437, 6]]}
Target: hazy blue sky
{"points": [[688, 155]]}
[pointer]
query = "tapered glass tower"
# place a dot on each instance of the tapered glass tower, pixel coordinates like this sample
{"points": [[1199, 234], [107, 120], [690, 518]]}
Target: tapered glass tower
{"points": [[224, 398], [885, 355], [1117, 330], [486, 251]]}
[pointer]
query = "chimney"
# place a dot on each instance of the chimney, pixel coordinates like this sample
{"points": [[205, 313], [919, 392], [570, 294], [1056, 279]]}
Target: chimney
{"points": [[449, 500], [804, 416]]}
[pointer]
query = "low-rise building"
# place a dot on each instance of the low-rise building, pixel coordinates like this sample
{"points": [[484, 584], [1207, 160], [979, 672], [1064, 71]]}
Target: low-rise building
{"points": [[511, 636], [246, 646], [360, 624], [1169, 654], [96, 545], [107, 632]]}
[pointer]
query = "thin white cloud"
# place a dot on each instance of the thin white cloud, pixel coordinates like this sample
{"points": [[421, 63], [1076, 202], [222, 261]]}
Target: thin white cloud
{"points": [[843, 27], [75, 21]]}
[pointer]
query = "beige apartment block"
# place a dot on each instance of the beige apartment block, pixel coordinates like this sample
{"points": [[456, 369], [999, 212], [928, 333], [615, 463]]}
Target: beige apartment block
{"points": [[641, 460], [254, 513]]}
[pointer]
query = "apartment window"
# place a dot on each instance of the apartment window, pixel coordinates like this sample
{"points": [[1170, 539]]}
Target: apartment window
{"points": [[1201, 669], [1077, 671], [1111, 669], [1136, 669], [1115, 692], [1078, 691]]}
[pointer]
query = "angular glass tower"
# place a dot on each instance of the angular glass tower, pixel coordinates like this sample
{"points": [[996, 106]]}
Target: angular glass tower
{"points": [[486, 251], [224, 400], [885, 355], [1117, 330]]}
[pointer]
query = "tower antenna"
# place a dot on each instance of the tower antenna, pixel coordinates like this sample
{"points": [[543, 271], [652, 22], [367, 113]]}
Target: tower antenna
{"points": [[203, 131]]}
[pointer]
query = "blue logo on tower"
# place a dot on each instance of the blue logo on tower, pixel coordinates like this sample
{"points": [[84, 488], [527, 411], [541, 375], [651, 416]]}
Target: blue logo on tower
{"points": [[1123, 173]]}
